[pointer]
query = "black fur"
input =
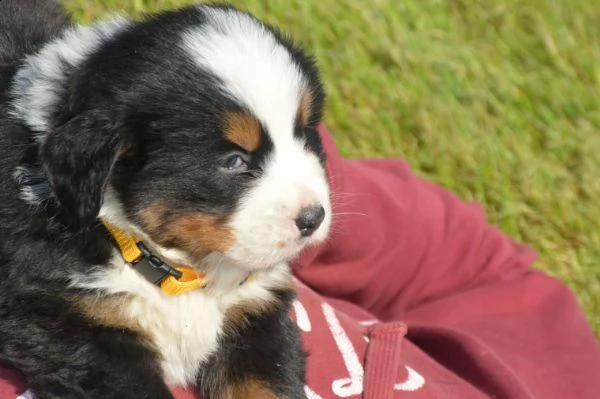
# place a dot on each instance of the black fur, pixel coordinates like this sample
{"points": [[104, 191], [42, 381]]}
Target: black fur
{"points": [[247, 354], [63, 356], [36, 21], [127, 116]]}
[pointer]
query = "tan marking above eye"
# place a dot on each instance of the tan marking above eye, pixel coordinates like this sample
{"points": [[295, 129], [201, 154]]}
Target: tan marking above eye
{"points": [[305, 107], [242, 129], [194, 232]]}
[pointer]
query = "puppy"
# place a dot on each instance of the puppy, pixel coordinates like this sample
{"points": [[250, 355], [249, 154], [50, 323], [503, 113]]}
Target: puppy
{"points": [[156, 177]]}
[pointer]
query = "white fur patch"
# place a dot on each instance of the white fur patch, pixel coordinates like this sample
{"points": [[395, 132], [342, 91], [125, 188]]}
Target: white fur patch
{"points": [[258, 71], [253, 66], [35, 189], [185, 328], [39, 84], [26, 395]]}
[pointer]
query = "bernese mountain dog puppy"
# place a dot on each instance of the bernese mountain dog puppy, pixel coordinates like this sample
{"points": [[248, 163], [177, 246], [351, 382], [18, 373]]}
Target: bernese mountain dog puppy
{"points": [[156, 177]]}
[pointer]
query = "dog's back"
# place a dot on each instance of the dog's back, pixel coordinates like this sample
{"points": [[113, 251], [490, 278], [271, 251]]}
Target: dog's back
{"points": [[25, 25]]}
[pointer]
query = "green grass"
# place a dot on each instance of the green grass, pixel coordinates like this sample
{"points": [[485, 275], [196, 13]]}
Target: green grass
{"points": [[494, 99]]}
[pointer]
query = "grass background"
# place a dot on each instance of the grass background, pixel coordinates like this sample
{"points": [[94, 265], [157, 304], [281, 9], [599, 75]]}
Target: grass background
{"points": [[494, 99]]}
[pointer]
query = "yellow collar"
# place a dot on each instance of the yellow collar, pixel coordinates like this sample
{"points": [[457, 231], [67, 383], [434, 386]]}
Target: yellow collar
{"points": [[171, 280]]}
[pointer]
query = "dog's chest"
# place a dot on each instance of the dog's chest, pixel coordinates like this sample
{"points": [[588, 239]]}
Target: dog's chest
{"points": [[184, 329]]}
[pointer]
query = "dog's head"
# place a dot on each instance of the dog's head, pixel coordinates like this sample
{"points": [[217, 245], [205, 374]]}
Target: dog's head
{"points": [[195, 129]]}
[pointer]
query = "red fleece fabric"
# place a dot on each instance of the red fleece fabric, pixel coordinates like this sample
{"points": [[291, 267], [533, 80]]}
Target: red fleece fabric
{"points": [[416, 296]]}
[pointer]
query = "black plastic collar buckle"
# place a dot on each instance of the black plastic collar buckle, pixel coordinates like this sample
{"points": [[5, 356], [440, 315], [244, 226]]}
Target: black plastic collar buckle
{"points": [[152, 267]]}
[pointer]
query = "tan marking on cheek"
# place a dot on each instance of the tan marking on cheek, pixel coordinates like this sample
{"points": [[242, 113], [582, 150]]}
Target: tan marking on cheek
{"points": [[305, 107], [200, 232], [242, 129], [194, 232], [250, 389], [152, 217]]}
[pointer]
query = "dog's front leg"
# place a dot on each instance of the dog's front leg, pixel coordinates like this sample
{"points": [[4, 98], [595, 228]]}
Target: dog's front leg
{"points": [[62, 355], [260, 355]]}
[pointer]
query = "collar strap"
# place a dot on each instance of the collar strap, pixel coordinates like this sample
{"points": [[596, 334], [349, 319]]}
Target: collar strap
{"points": [[171, 280]]}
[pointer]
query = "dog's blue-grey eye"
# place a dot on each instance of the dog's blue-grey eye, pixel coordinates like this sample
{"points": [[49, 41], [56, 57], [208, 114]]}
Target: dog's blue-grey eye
{"points": [[235, 162]]}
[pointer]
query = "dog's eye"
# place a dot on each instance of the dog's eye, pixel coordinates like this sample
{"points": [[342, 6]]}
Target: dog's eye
{"points": [[235, 163]]}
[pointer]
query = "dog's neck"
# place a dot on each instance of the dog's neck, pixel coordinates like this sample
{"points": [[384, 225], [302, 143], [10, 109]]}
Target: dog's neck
{"points": [[214, 274], [222, 274]]}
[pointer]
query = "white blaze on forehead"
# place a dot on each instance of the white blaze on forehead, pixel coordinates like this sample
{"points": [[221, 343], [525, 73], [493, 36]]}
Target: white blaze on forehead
{"points": [[254, 67]]}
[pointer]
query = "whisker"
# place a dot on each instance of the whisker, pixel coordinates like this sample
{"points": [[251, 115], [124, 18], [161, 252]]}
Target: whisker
{"points": [[349, 214]]}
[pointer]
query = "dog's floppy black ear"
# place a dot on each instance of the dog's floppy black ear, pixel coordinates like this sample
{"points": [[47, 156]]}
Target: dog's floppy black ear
{"points": [[77, 158]]}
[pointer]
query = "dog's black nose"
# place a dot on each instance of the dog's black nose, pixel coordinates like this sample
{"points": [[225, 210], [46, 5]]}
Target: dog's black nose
{"points": [[309, 219]]}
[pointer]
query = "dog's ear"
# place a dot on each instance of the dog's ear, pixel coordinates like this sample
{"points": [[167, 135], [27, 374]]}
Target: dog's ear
{"points": [[77, 158]]}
